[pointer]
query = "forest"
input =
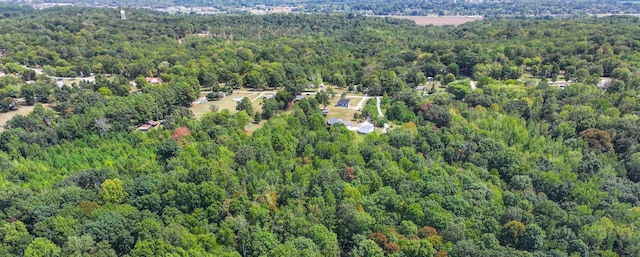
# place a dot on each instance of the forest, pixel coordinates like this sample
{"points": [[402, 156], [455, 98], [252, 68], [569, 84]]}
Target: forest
{"points": [[492, 158]]}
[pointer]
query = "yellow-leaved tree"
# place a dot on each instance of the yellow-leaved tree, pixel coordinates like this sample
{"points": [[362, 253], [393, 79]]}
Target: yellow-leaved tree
{"points": [[113, 191]]}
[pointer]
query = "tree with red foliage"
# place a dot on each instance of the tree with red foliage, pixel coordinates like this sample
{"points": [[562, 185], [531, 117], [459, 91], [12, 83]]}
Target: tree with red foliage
{"points": [[350, 173]]}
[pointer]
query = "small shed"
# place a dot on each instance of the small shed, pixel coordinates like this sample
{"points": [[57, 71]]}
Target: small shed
{"points": [[59, 82], [325, 112], [344, 102]]}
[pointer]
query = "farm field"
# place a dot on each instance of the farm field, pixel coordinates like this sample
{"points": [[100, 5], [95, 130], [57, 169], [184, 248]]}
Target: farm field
{"points": [[438, 20]]}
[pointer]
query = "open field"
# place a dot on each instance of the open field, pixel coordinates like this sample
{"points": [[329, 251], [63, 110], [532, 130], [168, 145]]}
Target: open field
{"points": [[438, 20], [200, 110], [5, 117]]}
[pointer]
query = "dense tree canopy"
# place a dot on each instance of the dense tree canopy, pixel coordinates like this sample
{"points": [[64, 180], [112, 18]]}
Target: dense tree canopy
{"points": [[514, 167]]}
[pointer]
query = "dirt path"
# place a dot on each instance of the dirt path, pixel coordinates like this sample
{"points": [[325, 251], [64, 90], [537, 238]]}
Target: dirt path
{"points": [[386, 125], [378, 99]]}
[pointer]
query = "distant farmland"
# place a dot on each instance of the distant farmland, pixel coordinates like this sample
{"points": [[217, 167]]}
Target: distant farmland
{"points": [[438, 20]]}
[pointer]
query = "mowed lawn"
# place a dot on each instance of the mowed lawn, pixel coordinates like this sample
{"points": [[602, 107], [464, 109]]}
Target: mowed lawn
{"points": [[345, 114], [200, 110], [7, 116]]}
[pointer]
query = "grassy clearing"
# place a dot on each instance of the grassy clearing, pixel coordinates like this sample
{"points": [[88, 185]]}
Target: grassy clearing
{"points": [[5, 117], [341, 112], [200, 110]]}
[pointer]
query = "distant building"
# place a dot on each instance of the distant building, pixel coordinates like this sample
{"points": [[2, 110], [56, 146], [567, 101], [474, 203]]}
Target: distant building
{"points": [[3, 52], [152, 80], [122, 16], [421, 88], [325, 112], [59, 82], [145, 127], [344, 102], [298, 98]]}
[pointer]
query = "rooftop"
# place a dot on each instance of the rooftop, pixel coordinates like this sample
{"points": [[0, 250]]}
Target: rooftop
{"points": [[343, 102]]}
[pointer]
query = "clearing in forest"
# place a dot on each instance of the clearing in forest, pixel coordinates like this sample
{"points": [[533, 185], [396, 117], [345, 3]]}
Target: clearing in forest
{"points": [[7, 116]]}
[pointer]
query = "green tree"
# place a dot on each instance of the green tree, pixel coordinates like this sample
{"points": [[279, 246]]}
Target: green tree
{"points": [[512, 232], [367, 248], [459, 90], [255, 79], [322, 98], [42, 247], [245, 105], [448, 79], [533, 238], [633, 167]]}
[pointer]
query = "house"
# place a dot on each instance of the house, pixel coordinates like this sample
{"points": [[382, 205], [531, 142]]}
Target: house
{"points": [[365, 127], [145, 127], [153, 123], [298, 98], [332, 121], [431, 79], [344, 102], [152, 80], [421, 88]]}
